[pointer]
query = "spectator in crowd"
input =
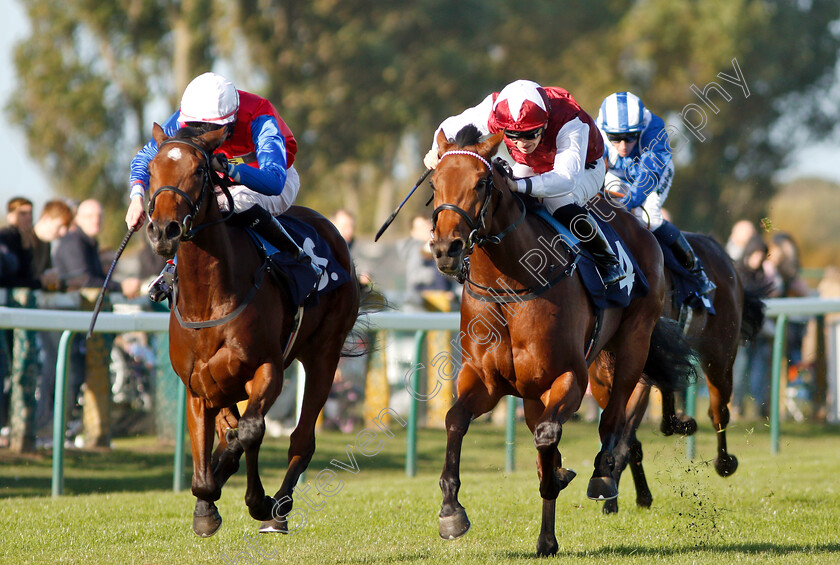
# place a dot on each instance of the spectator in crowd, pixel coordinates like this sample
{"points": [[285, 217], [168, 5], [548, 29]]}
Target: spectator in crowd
{"points": [[345, 222], [18, 239], [742, 232], [76, 255], [426, 287], [751, 372], [53, 223]]}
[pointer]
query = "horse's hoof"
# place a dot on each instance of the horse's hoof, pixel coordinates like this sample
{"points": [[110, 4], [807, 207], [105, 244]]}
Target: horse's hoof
{"points": [[602, 488], [206, 526], [274, 527], [263, 511], [452, 527], [610, 506], [564, 477], [686, 427], [547, 547], [725, 466]]}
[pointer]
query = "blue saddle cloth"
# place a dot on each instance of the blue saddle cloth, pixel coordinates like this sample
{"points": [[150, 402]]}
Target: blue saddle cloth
{"points": [[618, 295], [685, 284], [301, 278]]}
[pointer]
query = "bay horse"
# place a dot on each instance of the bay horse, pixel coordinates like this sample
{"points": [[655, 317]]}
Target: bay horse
{"points": [[739, 314], [529, 340], [230, 346]]}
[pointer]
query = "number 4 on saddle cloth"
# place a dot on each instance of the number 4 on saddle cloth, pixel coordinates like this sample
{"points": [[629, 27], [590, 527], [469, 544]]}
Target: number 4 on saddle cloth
{"points": [[301, 279], [618, 295]]}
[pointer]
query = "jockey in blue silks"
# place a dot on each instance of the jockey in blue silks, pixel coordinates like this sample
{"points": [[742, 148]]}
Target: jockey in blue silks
{"points": [[639, 164], [257, 155]]}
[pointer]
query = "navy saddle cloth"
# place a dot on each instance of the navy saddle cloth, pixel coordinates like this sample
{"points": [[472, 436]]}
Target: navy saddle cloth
{"points": [[618, 295], [685, 284], [302, 278]]}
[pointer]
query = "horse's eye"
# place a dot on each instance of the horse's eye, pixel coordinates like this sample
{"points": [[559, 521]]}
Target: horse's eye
{"points": [[199, 172]]}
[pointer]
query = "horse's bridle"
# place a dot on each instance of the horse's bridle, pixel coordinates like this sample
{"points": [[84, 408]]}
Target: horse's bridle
{"points": [[480, 224], [187, 229]]}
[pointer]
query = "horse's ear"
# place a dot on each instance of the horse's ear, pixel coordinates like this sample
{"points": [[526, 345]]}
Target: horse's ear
{"points": [[213, 139], [489, 146], [443, 143], [158, 135]]}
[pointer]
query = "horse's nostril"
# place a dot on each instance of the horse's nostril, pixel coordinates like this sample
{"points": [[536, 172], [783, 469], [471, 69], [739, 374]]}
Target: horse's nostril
{"points": [[173, 230], [455, 248]]}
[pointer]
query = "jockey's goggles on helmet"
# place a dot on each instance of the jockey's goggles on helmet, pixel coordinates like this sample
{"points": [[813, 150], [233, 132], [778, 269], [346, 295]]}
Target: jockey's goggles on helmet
{"points": [[631, 137], [525, 135]]}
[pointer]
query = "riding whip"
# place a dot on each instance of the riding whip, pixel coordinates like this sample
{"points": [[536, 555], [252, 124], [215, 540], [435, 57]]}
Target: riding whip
{"points": [[107, 280], [395, 212]]}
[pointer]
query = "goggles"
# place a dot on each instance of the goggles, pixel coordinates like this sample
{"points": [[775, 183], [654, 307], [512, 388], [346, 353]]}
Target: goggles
{"points": [[626, 137], [525, 135]]}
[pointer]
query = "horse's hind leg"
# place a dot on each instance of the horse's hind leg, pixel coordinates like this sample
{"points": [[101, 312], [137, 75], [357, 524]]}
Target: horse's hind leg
{"points": [[206, 518], [320, 371], [473, 400], [629, 450], [265, 387], [720, 390], [225, 460]]}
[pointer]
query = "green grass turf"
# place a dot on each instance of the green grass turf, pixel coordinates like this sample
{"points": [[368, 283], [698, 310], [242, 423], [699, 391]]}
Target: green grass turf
{"points": [[119, 506]]}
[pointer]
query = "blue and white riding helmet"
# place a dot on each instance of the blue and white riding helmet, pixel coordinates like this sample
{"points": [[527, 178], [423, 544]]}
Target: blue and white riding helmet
{"points": [[621, 112]]}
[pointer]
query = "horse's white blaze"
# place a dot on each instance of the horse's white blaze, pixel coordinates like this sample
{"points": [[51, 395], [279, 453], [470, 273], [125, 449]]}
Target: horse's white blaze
{"points": [[174, 153]]}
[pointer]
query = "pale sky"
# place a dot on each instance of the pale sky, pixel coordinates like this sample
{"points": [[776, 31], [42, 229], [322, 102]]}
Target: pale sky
{"points": [[819, 160]]}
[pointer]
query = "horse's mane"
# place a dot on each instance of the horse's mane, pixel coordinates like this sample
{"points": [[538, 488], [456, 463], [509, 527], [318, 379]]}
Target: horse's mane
{"points": [[468, 135]]}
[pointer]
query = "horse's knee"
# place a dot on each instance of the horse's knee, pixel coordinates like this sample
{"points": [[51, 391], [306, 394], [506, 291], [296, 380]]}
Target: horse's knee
{"points": [[547, 434], [251, 431]]}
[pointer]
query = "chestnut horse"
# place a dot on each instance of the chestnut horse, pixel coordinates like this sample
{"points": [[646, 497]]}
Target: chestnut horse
{"points": [[241, 325], [739, 314], [529, 340]]}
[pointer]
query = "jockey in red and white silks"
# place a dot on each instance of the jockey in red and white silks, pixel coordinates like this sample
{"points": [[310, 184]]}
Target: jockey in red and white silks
{"points": [[558, 154]]}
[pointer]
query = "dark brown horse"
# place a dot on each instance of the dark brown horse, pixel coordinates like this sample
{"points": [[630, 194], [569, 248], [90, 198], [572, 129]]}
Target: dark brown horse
{"points": [[739, 313], [237, 352], [524, 338]]}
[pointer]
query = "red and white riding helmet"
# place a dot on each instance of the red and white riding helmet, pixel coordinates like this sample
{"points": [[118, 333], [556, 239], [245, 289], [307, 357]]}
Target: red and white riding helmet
{"points": [[209, 98], [521, 106]]}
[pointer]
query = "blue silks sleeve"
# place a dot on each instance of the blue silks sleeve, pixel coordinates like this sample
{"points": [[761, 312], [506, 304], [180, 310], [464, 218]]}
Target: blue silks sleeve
{"points": [[270, 177], [654, 158]]}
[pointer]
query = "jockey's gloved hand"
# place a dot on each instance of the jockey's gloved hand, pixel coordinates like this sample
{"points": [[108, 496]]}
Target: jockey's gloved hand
{"points": [[220, 163], [591, 164], [503, 167]]}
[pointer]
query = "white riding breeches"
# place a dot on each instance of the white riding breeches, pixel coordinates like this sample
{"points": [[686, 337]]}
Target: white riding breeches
{"points": [[244, 197]]}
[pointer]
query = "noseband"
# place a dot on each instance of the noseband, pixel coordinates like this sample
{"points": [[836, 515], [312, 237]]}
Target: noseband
{"points": [[187, 230], [480, 224]]}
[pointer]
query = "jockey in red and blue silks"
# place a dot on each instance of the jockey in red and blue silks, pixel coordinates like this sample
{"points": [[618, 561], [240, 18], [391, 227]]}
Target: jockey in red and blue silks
{"points": [[558, 155], [639, 165], [258, 153]]}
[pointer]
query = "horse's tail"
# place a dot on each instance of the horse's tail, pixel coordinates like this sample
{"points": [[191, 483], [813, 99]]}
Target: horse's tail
{"points": [[671, 363], [359, 342], [752, 313]]}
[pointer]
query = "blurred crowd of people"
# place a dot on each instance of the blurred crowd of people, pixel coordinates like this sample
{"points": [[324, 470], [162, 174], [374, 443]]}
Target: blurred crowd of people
{"points": [[60, 252]]}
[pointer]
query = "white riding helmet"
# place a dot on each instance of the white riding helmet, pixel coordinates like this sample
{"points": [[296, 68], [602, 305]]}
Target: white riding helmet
{"points": [[621, 112], [209, 98]]}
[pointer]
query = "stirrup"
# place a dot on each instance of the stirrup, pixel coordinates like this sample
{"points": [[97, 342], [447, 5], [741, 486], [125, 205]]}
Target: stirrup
{"points": [[611, 274], [161, 288], [706, 284]]}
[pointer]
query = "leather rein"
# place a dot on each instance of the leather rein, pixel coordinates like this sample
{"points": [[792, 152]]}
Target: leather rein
{"points": [[478, 237]]}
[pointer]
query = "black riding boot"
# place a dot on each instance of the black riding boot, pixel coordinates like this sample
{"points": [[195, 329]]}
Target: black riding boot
{"points": [[261, 221], [597, 245], [687, 258]]}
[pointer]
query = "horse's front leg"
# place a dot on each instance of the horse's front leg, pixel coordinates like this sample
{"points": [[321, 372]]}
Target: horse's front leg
{"points": [[673, 423], [263, 390], [561, 401], [206, 518], [720, 391], [473, 400]]}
